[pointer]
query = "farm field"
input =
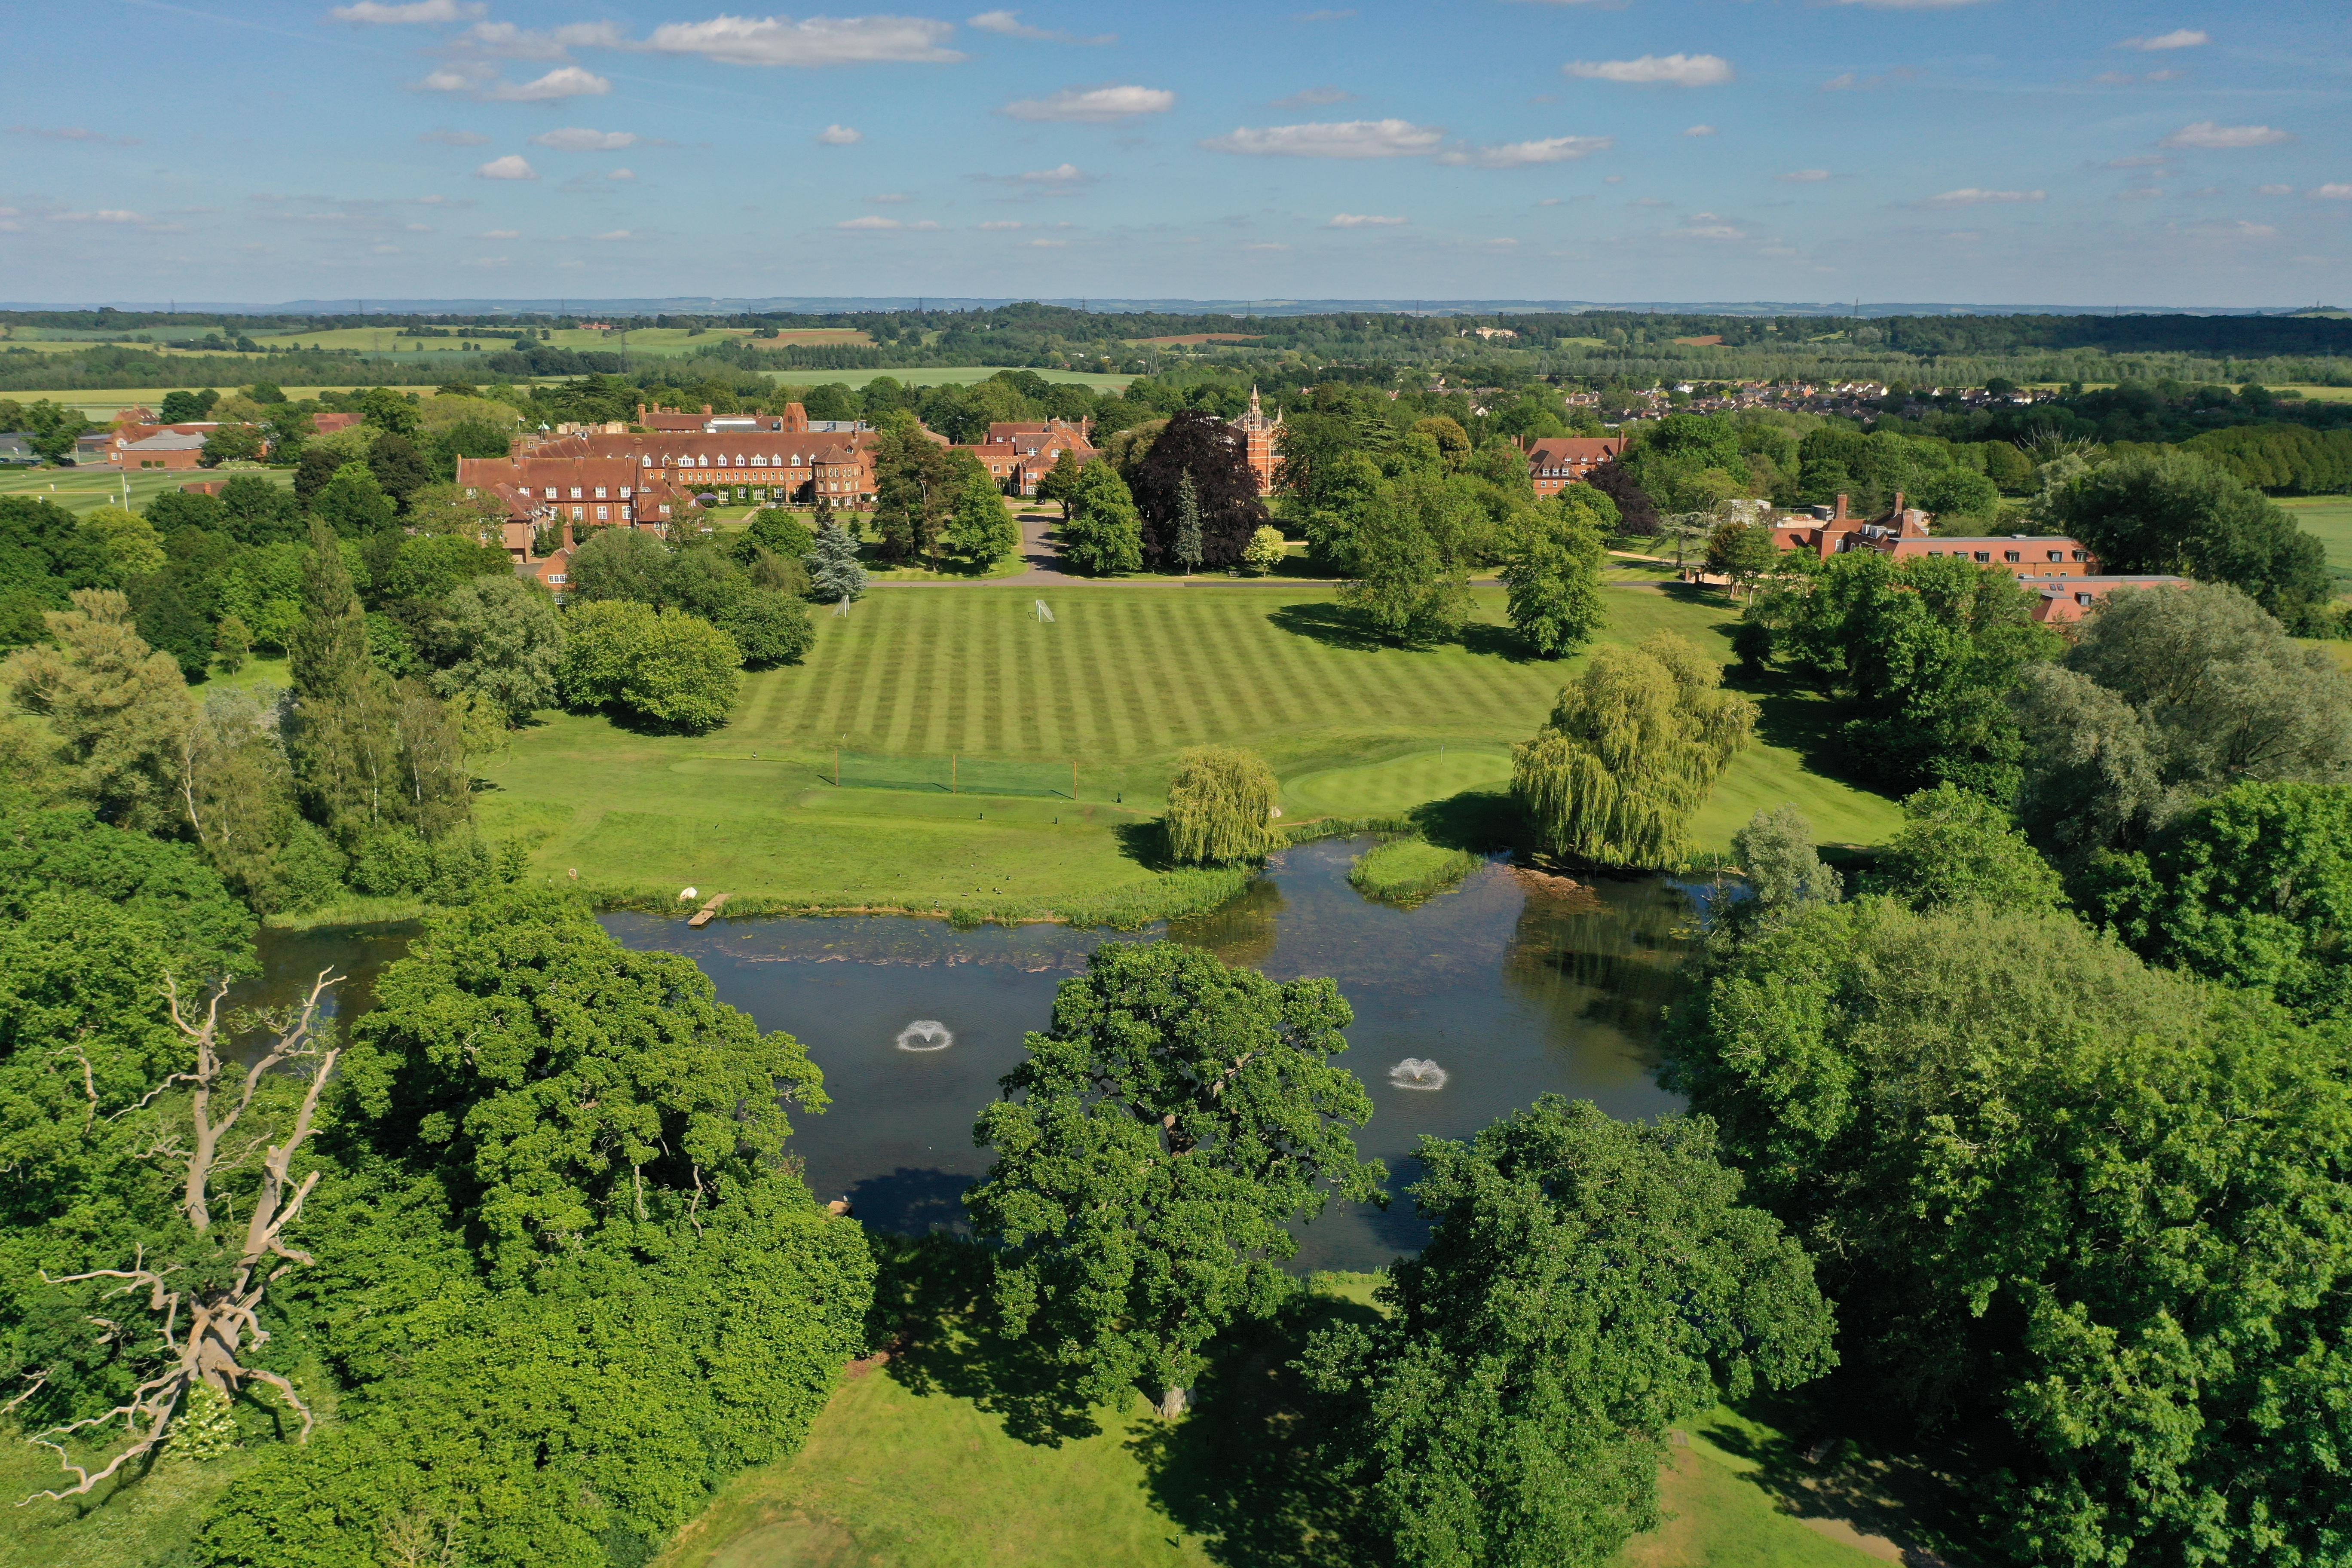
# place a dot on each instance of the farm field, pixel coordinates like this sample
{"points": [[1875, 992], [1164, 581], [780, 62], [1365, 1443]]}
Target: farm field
{"points": [[103, 404], [667, 340], [1122, 680]]}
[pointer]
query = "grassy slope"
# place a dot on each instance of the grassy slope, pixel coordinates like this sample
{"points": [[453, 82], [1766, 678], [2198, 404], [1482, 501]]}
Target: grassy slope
{"points": [[2328, 519], [1124, 679]]}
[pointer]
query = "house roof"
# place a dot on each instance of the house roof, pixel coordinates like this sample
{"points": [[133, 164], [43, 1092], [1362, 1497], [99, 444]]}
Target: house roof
{"points": [[167, 442]]}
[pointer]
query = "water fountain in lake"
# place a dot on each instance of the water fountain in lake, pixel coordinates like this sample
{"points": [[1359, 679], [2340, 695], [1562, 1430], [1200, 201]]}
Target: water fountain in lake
{"points": [[924, 1034], [1417, 1072]]}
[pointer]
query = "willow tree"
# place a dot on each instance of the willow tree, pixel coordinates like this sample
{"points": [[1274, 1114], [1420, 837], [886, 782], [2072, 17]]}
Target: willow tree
{"points": [[1220, 805], [1633, 747]]}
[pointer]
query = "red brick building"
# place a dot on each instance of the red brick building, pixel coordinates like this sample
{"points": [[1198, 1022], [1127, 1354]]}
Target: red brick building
{"points": [[2062, 601], [1556, 462], [1018, 454], [1261, 435]]}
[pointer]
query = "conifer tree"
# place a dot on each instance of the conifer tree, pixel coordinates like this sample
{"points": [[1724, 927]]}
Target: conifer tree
{"points": [[1188, 524], [345, 743], [833, 572]]}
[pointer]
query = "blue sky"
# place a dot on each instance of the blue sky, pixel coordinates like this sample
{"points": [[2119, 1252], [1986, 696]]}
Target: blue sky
{"points": [[1966, 151]]}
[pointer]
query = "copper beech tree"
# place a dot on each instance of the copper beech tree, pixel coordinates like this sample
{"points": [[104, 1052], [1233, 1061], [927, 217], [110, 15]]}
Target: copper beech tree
{"points": [[202, 1296]]}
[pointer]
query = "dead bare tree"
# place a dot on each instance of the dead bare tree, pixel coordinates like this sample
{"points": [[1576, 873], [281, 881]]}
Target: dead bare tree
{"points": [[209, 1312]]}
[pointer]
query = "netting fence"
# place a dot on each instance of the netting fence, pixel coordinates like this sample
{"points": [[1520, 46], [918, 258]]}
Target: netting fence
{"points": [[954, 774]]}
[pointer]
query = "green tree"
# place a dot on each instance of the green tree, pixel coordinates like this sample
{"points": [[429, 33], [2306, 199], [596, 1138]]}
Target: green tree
{"points": [[51, 429], [232, 644], [237, 443], [1060, 482], [1955, 847], [393, 412], [776, 530], [1104, 532], [621, 563], [1784, 870], [2096, 1211], [1742, 551], [2178, 512], [499, 638], [915, 489], [1411, 547], [1552, 585], [1633, 747], [1588, 1283], [2253, 887], [236, 794], [344, 742], [673, 670], [2168, 698], [834, 574], [980, 529], [769, 628], [1267, 548], [399, 468], [1220, 805], [260, 510], [1149, 1152], [120, 710], [353, 504], [1186, 547], [127, 542]]}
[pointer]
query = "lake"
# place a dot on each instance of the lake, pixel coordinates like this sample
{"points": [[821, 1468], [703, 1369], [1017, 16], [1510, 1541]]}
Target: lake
{"points": [[1510, 989]]}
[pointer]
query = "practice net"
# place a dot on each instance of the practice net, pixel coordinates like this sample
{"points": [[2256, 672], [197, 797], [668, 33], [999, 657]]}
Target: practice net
{"points": [[955, 774]]}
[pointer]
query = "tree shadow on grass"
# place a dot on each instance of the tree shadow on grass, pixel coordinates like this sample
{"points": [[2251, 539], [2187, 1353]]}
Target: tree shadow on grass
{"points": [[1505, 643], [1146, 844], [1483, 820], [1333, 626], [1254, 1469], [1794, 714], [932, 1311], [1819, 1460]]}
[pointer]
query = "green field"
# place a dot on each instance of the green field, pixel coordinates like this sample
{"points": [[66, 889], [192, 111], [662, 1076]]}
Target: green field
{"points": [[1123, 678], [80, 489], [2328, 519]]}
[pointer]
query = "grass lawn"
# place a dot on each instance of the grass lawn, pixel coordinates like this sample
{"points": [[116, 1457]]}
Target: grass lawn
{"points": [[941, 1459], [81, 490], [2328, 519], [145, 1522], [1123, 678]]}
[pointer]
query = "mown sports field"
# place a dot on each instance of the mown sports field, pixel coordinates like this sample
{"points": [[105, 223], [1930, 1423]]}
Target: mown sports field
{"points": [[1121, 680]]}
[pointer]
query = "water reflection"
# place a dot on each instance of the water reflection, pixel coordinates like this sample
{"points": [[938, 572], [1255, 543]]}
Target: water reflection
{"points": [[1511, 989]]}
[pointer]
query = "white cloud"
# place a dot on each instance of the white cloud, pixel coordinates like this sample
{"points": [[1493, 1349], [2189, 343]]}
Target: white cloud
{"points": [[1675, 70], [622, 174], [2206, 134], [488, 261], [818, 41], [510, 167], [2279, 190], [2333, 192], [1804, 176], [104, 214], [1854, 81], [618, 234], [579, 139], [1010, 25], [1522, 154], [926, 223], [447, 138], [871, 220], [1362, 220], [1969, 196], [1696, 230], [565, 81], [501, 233], [1000, 226], [1700, 131], [504, 40], [1265, 245], [1332, 139], [2181, 38], [1909, 4], [1045, 244], [840, 136], [889, 199], [1059, 174], [2145, 194], [2143, 161], [1313, 97], [370, 11], [1094, 105]]}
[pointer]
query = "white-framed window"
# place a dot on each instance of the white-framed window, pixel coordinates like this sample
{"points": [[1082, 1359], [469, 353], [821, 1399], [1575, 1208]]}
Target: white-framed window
{"points": [[551, 492], [575, 493], [557, 577], [604, 514], [600, 493], [625, 493]]}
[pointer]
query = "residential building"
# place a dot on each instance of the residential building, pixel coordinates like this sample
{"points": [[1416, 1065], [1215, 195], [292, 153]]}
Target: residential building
{"points": [[165, 449], [1904, 534], [2062, 601], [1554, 462], [1018, 454]]}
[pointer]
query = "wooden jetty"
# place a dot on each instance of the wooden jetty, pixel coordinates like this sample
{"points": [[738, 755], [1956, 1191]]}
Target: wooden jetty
{"points": [[702, 916]]}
